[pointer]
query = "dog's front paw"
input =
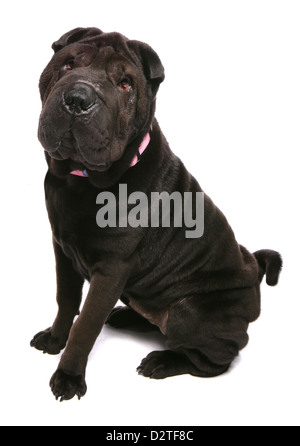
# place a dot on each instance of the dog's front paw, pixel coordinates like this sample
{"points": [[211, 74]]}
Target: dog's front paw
{"points": [[47, 343], [125, 317], [65, 386]]}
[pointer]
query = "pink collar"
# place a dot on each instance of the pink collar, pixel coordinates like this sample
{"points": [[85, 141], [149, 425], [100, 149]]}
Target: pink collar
{"points": [[135, 160]]}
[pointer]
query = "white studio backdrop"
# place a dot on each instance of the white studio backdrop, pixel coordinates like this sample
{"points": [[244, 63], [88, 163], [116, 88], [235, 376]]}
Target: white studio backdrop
{"points": [[229, 107]]}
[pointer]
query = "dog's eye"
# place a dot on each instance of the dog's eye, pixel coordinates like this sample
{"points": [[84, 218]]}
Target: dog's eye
{"points": [[124, 84], [66, 67], [69, 65]]}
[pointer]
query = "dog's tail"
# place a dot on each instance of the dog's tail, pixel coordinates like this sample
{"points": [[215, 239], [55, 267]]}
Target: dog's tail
{"points": [[270, 263]]}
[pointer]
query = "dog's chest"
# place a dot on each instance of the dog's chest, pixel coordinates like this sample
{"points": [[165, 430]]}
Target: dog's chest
{"points": [[72, 219]]}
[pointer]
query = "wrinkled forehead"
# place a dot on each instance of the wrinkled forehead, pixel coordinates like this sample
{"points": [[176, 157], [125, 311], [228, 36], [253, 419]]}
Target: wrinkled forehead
{"points": [[84, 52], [83, 47], [104, 55]]}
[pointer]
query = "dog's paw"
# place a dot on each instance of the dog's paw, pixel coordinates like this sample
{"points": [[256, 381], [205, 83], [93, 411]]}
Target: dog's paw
{"points": [[119, 317], [126, 318], [65, 386], [47, 343], [161, 364]]}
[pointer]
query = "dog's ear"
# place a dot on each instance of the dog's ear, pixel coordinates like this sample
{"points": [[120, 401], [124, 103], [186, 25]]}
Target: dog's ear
{"points": [[152, 66], [75, 35]]}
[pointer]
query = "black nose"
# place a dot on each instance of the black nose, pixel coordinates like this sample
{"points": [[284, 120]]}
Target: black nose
{"points": [[79, 98]]}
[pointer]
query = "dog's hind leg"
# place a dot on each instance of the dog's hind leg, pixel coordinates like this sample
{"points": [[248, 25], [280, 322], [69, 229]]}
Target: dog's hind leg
{"points": [[163, 364], [203, 338]]}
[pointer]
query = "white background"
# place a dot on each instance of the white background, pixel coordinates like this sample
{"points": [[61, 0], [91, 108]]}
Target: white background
{"points": [[229, 108]]}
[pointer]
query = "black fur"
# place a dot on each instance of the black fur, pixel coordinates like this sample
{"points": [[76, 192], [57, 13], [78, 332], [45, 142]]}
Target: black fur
{"points": [[201, 293]]}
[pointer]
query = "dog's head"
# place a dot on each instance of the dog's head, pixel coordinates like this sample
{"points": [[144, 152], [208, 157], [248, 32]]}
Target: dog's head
{"points": [[98, 94]]}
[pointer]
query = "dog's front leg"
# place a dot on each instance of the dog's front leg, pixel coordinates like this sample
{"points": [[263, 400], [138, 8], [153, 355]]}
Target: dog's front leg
{"points": [[68, 297], [106, 287]]}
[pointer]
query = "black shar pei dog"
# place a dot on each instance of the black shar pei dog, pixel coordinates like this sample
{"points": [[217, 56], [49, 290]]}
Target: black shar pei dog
{"points": [[105, 154]]}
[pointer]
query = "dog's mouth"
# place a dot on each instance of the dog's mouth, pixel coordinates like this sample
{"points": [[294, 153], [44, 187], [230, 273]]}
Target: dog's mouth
{"points": [[75, 166], [80, 160], [91, 162], [79, 163]]}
